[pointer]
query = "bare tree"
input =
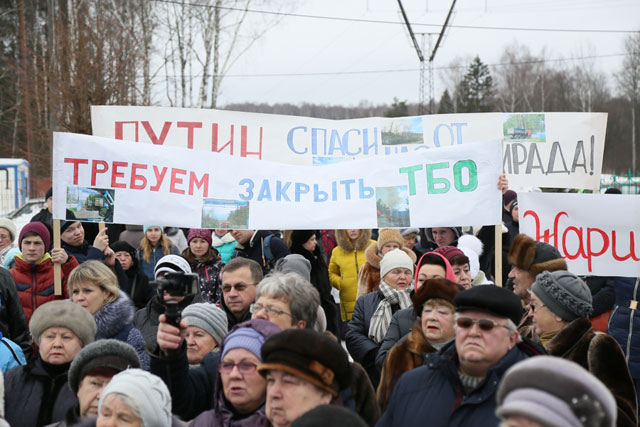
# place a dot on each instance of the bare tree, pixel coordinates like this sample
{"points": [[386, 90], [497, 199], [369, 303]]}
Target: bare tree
{"points": [[629, 84]]}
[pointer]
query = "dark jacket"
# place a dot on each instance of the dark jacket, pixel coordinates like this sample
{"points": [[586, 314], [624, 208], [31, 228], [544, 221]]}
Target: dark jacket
{"points": [[146, 318], [362, 348], [13, 322], [603, 294], [139, 288], [209, 271], [37, 394], [86, 252], [624, 323], [434, 392], [401, 324], [601, 355], [255, 249]]}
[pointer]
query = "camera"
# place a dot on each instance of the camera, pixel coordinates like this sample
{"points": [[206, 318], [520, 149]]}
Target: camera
{"points": [[176, 284]]}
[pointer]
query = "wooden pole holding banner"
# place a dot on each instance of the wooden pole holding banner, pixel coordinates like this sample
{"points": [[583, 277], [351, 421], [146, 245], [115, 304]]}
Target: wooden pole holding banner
{"points": [[101, 226], [57, 268], [498, 248]]}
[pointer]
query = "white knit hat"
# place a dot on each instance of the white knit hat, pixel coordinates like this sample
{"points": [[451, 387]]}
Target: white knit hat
{"points": [[395, 259], [171, 264]]}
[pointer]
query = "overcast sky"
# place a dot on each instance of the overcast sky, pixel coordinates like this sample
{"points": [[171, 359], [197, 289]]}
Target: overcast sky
{"points": [[344, 62]]}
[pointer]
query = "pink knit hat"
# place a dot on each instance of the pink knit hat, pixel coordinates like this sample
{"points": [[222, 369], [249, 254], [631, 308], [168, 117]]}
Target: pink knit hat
{"points": [[201, 233]]}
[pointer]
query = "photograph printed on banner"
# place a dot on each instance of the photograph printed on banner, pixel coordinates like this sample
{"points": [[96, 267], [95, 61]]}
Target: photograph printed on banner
{"points": [[219, 213], [407, 130], [524, 127], [392, 204], [91, 204]]}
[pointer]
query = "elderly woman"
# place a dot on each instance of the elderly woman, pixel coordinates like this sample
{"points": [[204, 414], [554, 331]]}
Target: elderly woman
{"points": [[205, 261], [8, 248], [561, 306], [95, 288], [304, 369], [38, 394], [240, 390], [90, 372], [373, 311], [207, 328], [434, 328], [136, 398]]}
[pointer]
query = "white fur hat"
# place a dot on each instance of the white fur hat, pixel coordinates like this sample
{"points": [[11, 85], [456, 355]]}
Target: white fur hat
{"points": [[472, 248]]}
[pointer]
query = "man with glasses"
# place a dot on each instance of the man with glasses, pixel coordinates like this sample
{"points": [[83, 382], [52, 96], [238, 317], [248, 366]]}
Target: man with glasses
{"points": [[239, 280], [457, 386]]}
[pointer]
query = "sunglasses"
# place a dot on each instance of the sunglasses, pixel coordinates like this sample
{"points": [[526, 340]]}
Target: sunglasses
{"points": [[484, 324]]}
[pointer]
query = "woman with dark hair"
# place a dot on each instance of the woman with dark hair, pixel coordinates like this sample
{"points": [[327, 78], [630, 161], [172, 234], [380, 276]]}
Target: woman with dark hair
{"points": [[139, 289], [305, 243], [205, 261]]}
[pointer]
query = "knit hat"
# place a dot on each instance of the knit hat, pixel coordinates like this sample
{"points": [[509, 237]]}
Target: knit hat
{"points": [[389, 235], [327, 415], [448, 252], [472, 248], [246, 338], [508, 196], [123, 246], [434, 288], [171, 264], [107, 353], [294, 263], [146, 227], [555, 391], [535, 257], [65, 314], [395, 259], [147, 391], [300, 237], [49, 193], [208, 317], [38, 228], [409, 231], [309, 355], [201, 233], [490, 299], [66, 224], [10, 226], [564, 293]]}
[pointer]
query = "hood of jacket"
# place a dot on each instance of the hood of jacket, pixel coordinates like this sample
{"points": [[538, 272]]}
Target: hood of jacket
{"points": [[345, 243], [112, 317]]}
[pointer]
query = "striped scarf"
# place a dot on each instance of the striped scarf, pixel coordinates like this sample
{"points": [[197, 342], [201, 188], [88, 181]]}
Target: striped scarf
{"points": [[382, 316]]}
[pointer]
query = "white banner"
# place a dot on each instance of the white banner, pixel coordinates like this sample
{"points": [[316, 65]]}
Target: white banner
{"points": [[561, 150], [102, 179], [598, 234]]}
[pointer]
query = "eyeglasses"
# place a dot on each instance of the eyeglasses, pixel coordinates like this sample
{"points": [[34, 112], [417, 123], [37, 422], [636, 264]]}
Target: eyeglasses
{"points": [[243, 367], [533, 308], [271, 310], [484, 324], [239, 287]]}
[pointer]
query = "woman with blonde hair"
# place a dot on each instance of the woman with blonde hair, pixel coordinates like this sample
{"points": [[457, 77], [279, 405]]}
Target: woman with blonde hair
{"points": [[153, 246], [95, 288]]}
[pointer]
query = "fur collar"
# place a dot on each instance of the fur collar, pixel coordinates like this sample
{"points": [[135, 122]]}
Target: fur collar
{"points": [[566, 341], [347, 245], [114, 316], [373, 257], [219, 241]]}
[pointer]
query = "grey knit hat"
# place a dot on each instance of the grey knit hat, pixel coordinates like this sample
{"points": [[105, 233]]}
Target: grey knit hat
{"points": [[555, 391], [64, 314], [147, 391], [564, 293], [10, 226], [208, 317], [108, 353], [294, 263]]}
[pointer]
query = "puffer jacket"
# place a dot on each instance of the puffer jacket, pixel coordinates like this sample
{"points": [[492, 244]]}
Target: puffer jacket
{"points": [[624, 323], [400, 326], [225, 245], [34, 282], [346, 260], [209, 270]]}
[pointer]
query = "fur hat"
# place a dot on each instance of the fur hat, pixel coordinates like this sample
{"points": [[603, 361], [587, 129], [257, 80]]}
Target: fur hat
{"points": [[535, 257], [108, 353], [325, 415], [434, 288], [564, 293], [65, 314], [490, 299], [170, 264], [208, 317], [38, 228], [309, 355], [201, 233], [389, 235], [10, 226], [147, 391], [555, 391], [294, 263], [395, 259], [472, 248]]}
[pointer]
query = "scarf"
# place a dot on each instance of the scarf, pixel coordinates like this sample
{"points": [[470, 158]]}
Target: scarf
{"points": [[382, 316]]}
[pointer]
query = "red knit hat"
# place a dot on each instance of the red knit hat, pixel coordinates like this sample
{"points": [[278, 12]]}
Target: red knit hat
{"points": [[201, 233], [38, 228], [448, 252]]}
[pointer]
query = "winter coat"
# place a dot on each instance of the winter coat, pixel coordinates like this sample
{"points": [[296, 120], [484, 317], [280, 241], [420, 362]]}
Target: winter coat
{"points": [[434, 392], [360, 396], [86, 252], [176, 236], [11, 355], [113, 320], [369, 275], [601, 355], [624, 323], [37, 395], [255, 249], [13, 322], [603, 293], [401, 324], [34, 282], [148, 267], [362, 348], [403, 357], [139, 288], [346, 261], [209, 271], [225, 246], [6, 256], [132, 234]]}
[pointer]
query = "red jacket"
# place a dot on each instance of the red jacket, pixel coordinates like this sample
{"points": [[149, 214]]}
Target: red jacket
{"points": [[34, 282]]}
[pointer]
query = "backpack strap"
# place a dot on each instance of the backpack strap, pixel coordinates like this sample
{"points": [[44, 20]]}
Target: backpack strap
{"points": [[267, 254], [13, 352]]}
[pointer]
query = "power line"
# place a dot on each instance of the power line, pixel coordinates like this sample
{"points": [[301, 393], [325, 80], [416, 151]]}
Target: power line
{"points": [[374, 21]]}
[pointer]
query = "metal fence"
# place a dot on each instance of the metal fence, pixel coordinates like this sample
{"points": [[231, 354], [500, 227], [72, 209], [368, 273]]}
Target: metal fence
{"points": [[627, 184]]}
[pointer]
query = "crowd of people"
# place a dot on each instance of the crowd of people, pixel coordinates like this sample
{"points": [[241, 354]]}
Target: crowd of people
{"points": [[389, 327]]}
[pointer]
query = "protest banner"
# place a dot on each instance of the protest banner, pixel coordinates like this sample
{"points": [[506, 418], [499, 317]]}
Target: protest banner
{"points": [[560, 150], [598, 234], [102, 179]]}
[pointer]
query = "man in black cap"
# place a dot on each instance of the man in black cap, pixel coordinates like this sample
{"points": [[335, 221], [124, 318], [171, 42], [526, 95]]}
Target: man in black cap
{"points": [[457, 386]]}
